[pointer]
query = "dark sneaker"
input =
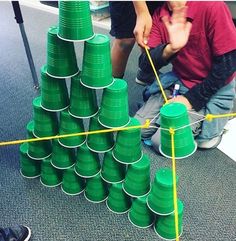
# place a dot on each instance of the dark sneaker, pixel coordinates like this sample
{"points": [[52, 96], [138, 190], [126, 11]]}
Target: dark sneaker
{"points": [[16, 233], [144, 78]]}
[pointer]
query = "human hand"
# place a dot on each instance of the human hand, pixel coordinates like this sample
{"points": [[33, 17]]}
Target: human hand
{"points": [[181, 99], [142, 28], [178, 28]]}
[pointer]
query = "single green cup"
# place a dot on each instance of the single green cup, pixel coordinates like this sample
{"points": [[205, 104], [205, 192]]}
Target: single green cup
{"points": [[114, 111], [62, 157], [96, 189], [100, 142], [29, 168], [118, 201], [75, 22], [50, 176], [70, 125], [137, 179], [72, 184], [97, 68], [112, 171], [175, 116], [45, 122], [140, 215], [88, 163], [54, 94], [160, 199], [128, 147], [37, 150], [83, 100], [165, 225], [61, 58]]}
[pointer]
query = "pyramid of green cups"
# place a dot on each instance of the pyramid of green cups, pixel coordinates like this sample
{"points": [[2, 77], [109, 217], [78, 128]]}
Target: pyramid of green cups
{"points": [[108, 166]]}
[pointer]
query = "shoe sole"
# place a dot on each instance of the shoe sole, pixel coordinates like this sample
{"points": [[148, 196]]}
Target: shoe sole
{"points": [[29, 234], [140, 82]]}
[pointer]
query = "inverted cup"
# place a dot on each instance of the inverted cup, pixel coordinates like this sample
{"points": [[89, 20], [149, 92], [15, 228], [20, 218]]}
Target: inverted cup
{"points": [[83, 100], [112, 171], [96, 189], [114, 111], [54, 94], [97, 68], [175, 116], [29, 168], [128, 149], [75, 22], [61, 58]]}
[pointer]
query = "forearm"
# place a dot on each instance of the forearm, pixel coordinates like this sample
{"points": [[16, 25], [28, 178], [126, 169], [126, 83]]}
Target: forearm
{"points": [[140, 7], [223, 67]]}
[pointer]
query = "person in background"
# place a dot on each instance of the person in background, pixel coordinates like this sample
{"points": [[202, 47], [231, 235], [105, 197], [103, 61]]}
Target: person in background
{"points": [[125, 28], [16, 233], [199, 39]]}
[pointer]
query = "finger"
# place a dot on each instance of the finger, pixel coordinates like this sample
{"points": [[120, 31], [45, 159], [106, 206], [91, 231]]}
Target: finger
{"points": [[188, 27], [179, 15], [139, 37]]}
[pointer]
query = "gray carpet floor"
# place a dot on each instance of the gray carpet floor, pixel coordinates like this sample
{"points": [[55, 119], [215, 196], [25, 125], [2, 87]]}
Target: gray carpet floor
{"points": [[207, 179]]}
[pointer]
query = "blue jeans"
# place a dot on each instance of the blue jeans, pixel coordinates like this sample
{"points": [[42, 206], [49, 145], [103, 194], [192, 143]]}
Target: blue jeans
{"points": [[220, 103]]}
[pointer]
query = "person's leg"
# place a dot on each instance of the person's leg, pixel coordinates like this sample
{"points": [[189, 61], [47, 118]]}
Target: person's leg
{"points": [[16, 233], [120, 52]]}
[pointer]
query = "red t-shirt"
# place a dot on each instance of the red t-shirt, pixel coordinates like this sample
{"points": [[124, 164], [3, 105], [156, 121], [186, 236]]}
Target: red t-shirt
{"points": [[212, 34]]}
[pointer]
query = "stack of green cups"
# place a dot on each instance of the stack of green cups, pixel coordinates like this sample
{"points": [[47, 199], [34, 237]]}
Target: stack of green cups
{"points": [[112, 171], [100, 142], [62, 157], [118, 201], [139, 214], [97, 68], [50, 176], [160, 199], [175, 115], [75, 22], [70, 125], [128, 149], [37, 150], [29, 168], [165, 225], [72, 184], [53, 92], [88, 163], [83, 100], [61, 58], [137, 179], [45, 122], [96, 189], [114, 110]]}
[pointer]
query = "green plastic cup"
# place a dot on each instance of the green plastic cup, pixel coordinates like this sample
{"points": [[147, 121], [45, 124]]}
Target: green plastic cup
{"points": [[112, 171], [128, 147], [75, 22], [88, 163], [96, 189], [45, 122], [137, 179], [70, 125], [140, 215], [54, 94], [118, 201], [97, 68], [100, 142], [40, 149], [62, 157], [29, 168], [83, 101], [175, 115], [114, 111], [165, 225], [50, 176], [160, 199], [72, 184], [61, 58]]}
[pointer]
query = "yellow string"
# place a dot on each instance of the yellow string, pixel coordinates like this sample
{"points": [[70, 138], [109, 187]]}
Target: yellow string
{"points": [[155, 72], [146, 125], [210, 117], [172, 132]]}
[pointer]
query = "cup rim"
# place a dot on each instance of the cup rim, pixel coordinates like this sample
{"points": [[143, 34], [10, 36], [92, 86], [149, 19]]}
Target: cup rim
{"points": [[71, 146], [111, 127], [87, 176], [74, 40], [50, 185], [91, 149], [70, 193], [82, 117], [29, 177], [94, 201], [110, 181], [38, 159], [126, 162], [62, 77], [135, 196], [115, 211], [55, 110], [163, 237], [97, 88], [137, 225], [61, 168]]}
